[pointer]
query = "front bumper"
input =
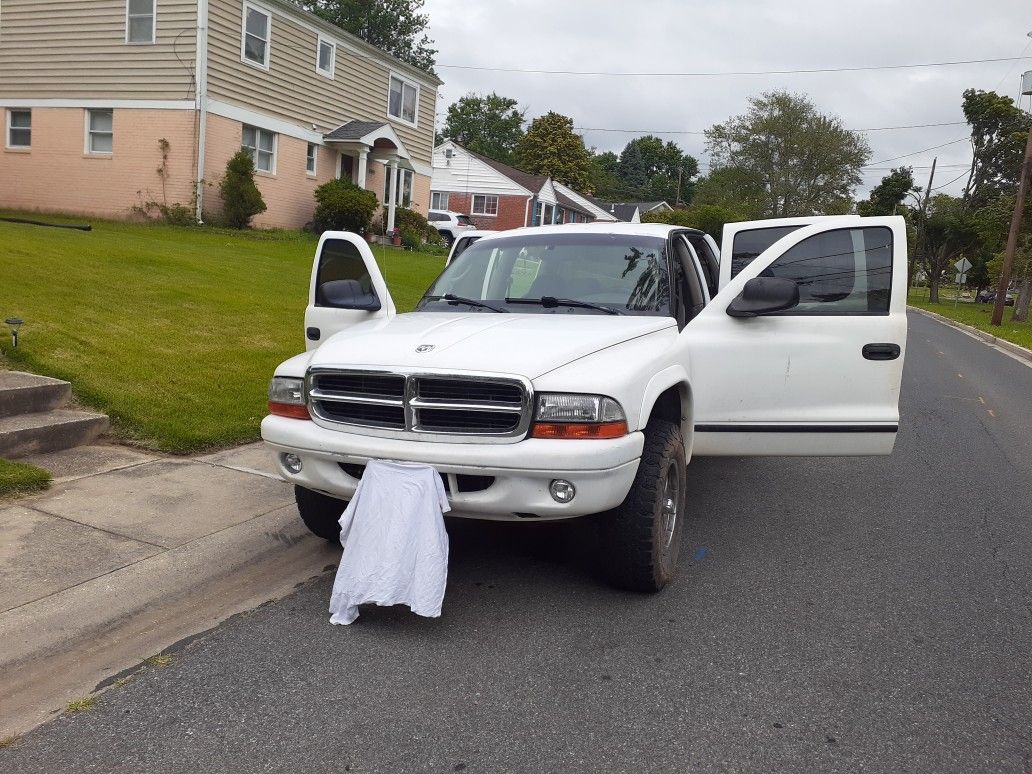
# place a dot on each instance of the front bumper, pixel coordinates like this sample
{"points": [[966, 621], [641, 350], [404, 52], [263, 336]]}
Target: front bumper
{"points": [[601, 470]]}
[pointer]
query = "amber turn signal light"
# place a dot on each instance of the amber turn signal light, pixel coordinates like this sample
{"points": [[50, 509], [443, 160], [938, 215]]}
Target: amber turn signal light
{"points": [[291, 410], [579, 430]]}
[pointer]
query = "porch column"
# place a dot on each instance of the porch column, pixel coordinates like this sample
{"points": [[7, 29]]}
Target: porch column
{"points": [[392, 196], [361, 172]]}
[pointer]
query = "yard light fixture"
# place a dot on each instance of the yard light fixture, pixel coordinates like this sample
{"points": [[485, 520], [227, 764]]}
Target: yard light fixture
{"points": [[14, 323]]}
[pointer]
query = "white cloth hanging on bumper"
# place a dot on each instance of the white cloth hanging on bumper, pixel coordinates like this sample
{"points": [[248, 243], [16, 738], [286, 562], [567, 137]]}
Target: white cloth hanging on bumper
{"points": [[395, 543]]}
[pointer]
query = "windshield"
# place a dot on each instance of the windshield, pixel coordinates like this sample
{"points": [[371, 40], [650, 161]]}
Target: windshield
{"points": [[614, 273]]}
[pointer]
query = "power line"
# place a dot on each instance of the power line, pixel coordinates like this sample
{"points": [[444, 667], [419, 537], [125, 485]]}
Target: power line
{"points": [[694, 131], [954, 180], [915, 153], [713, 74]]}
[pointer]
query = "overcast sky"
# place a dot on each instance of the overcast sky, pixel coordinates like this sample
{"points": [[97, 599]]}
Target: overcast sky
{"points": [[715, 35]]}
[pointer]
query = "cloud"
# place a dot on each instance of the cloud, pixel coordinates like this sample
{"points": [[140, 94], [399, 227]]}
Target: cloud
{"points": [[687, 35]]}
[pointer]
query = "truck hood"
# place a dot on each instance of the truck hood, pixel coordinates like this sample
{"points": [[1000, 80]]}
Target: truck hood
{"points": [[524, 344]]}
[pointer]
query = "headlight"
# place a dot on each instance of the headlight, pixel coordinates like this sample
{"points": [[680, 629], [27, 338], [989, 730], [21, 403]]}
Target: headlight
{"points": [[287, 397], [564, 415]]}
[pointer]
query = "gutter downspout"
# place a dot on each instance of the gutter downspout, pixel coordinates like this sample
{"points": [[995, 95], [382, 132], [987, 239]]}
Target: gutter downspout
{"points": [[526, 213], [202, 104]]}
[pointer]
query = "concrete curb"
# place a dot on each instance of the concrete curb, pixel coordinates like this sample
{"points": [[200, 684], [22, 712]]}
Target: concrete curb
{"points": [[58, 648], [988, 338]]}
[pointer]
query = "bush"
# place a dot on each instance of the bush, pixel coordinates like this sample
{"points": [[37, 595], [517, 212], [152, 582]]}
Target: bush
{"points": [[410, 238], [706, 217], [241, 199], [343, 206], [405, 218]]}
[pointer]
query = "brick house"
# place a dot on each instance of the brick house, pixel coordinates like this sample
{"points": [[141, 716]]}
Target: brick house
{"points": [[88, 89], [499, 196]]}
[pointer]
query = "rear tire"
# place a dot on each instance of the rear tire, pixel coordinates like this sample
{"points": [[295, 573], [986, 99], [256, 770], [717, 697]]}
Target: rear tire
{"points": [[641, 539], [320, 513], [449, 240]]}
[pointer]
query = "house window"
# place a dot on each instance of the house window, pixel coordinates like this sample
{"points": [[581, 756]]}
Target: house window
{"points": [[100, 132], [485, 205], [438, 200], [261, 144], [402, 100], [325, 58], [19, 128], [139, 21], [256, 34], [310, 163], [404, 188]]}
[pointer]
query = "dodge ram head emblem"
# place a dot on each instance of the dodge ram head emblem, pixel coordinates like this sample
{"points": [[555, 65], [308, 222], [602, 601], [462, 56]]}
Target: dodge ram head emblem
{"points": [[425, 348]]}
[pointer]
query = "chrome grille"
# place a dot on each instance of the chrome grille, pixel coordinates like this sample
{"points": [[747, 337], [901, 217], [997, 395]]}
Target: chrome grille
{"points": [[422, 404]]}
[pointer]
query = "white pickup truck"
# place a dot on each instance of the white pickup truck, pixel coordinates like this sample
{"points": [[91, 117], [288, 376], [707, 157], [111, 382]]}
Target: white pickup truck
{"points": [[565, 371]]}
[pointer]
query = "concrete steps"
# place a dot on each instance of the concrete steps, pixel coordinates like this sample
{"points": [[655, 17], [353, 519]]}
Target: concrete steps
{"points": [[34, 417]]}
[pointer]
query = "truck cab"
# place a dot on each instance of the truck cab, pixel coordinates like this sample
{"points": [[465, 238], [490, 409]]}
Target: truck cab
{"points": [[571, 371]]}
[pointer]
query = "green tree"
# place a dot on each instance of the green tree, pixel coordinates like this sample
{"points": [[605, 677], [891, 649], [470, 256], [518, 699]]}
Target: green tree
{"points": [[653, 170], [489, 124], [809, 164], [999, 130], [889, 196], [733, 188], [604, 178], [241, 199], [343, 206], [949, 232], [396, 26], [550, 147]]}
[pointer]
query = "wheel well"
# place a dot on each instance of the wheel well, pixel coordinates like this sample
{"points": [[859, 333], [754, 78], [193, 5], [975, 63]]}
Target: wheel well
{"points": [[674, 405]]}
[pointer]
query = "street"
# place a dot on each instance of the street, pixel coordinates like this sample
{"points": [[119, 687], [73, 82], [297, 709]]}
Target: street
{"points": [[845, 614]]}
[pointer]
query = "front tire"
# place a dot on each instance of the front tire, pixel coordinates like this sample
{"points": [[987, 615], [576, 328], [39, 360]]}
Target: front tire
{"points": [[320, 513], [449, 240], [641, 539]]}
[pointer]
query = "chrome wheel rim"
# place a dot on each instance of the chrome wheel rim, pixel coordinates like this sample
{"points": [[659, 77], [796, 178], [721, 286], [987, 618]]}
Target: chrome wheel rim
{"points": [[670, 507]]}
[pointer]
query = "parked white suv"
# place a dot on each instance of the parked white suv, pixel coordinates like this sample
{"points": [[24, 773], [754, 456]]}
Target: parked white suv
{"points": [[450, 224], [559, 372]]}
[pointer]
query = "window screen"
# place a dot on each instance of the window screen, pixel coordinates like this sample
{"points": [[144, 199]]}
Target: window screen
{"points": [[340, 260], [847, 271], [749, 244]]}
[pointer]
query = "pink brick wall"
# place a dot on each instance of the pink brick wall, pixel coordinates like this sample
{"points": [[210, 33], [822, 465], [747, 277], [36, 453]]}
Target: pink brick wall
{"points": [[57, 175]]}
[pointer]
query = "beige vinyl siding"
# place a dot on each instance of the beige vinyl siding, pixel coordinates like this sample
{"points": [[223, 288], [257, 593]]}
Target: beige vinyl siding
{"points": [[76, 49], [292, 90]]}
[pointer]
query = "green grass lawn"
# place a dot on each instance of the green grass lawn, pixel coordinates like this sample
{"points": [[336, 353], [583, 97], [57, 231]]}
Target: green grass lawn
{"points": [[174, 332], [18, 478], [974, 314]]}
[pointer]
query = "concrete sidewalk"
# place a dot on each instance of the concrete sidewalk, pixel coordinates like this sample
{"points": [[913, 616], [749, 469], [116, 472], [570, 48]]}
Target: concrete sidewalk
{"points": [[129, 553]]}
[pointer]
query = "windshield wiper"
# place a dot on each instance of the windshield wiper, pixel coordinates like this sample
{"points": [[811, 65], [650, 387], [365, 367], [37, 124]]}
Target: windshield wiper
{"points": [[451, 298], [551, 302]]}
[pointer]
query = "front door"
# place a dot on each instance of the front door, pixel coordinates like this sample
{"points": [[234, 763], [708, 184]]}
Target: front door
{"points": [[821, 378], [343, 257]]}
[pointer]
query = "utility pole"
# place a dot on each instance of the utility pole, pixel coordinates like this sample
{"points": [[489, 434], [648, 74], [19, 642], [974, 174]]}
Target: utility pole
{"points": [[1012, 237], [919, 240]]}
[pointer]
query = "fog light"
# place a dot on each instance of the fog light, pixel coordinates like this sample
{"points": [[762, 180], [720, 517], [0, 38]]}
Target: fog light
{"points": [[562, 491], [292, 463]]}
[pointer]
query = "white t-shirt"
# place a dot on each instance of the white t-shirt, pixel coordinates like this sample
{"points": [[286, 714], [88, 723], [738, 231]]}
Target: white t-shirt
{"points": [[395, 544]]}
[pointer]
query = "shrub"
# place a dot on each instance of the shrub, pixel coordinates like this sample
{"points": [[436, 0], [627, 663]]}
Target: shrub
{"points": [[405, 218], [241, 199], [410, 238], [343, 206], [706, 217]]}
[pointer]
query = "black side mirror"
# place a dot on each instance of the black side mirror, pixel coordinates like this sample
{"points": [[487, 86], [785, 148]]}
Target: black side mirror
{"points": [[347, 294], [764, 295]]}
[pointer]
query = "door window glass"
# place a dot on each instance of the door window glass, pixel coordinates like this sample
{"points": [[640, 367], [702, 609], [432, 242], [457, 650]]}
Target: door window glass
{"points": [[843, 272], [340, 260], [749, 244]]}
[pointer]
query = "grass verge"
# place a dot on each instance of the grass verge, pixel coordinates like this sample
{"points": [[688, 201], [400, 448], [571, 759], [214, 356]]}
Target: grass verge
{"points": [[975, 314], [18, 478], [171, 331]]}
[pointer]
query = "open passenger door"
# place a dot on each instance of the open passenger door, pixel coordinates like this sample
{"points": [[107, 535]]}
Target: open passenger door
{"points": [[814, 374], [346, 288]]}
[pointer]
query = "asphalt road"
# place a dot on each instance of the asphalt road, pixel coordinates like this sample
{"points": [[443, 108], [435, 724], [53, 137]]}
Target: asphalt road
{"points": [[830, 615]]}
